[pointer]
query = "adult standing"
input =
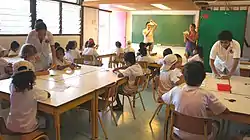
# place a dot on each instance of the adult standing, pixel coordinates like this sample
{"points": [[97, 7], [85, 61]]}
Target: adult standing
{"points": [[44, 43], [148, 34], [225, 56], [190, 38]]}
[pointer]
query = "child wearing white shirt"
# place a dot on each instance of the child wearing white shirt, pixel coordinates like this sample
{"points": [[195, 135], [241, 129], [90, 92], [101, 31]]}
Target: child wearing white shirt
{"points": [[61, 62], [132, 70], [71, 52], [143, 55], [22, 117], [192, 100], [118, 51], [166, 52], [198, 55], [5, 67], [129, 47], [169, 76], [91, 51], [14, 46]]}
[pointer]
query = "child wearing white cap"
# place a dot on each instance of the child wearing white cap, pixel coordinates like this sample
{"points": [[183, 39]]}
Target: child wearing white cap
{"points": [[5, 67], [168, 76], [23, 99]]}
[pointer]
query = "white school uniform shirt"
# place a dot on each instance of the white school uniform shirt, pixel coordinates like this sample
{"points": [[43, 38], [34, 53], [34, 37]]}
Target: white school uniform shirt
{"points": [[62, 63], [72, 54], [129, 49], [132, 72], [43, 48], [224, 58], [193, 101], [93, 52], [168, 80], [147, 58], [195, 58], [3, 64], [23, 109], [149, 38]]}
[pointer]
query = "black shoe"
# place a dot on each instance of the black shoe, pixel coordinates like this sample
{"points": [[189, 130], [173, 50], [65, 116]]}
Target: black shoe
{"points": [[118, 108]]}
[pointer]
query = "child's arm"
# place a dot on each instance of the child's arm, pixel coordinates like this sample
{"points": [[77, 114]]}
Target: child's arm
{"points": [[62, 67], [215, 105], [120, 68], [41, 94], [40, 73]]}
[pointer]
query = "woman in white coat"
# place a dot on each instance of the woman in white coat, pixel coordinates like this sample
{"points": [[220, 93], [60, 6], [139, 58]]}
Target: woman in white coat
{"points": [[225, 56]]}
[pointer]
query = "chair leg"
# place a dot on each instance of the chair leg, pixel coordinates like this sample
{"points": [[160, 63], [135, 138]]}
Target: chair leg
{"points": [[131, 107], [134, 101], [156, 111], [89, 116], [113, 115], [122, 100], [159, 110], [103, 128], [142, 102]]}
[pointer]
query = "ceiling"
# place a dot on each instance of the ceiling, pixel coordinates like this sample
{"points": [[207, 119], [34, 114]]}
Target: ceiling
{"points": [[146, 4]]}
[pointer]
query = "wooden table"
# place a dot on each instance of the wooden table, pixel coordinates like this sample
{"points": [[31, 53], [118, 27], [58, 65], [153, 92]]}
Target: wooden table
{"points": [[70, 93], [240, 85], [210, 82]]}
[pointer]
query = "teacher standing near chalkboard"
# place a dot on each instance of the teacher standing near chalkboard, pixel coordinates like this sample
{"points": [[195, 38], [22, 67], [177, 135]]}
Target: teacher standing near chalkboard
{"points": [[190, 38], [148, 34]]}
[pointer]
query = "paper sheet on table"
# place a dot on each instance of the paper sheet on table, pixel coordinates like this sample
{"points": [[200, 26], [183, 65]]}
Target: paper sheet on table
{"points": [[60, 88]]}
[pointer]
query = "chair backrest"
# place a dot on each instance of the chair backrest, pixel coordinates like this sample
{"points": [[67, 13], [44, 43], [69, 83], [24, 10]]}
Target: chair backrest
{"points": [[141, 82], [3, 128], [200, 126], [121, 56], [88, 58], [110, 94], [79, 61], [143, 64]]}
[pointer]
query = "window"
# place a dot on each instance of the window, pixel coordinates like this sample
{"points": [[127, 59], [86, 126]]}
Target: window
{"points": [[71, 18], [73, 1], [48, 11], [15, 17]]}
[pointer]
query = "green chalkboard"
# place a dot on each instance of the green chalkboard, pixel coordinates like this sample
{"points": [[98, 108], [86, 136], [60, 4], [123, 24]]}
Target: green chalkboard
{"points": [[213, 22], [169, 31]]}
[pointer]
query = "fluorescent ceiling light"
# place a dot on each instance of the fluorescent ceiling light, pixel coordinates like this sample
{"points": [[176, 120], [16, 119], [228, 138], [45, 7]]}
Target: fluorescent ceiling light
{"points": [[161, 6], [125, 7]]}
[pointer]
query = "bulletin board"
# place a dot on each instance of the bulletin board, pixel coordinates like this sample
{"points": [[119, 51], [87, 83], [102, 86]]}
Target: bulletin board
{"points": [[211, 23]]}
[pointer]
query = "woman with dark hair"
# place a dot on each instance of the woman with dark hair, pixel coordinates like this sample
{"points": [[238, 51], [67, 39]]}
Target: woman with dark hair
{"points": [[190, 38], [44, 43], [148, 34]]}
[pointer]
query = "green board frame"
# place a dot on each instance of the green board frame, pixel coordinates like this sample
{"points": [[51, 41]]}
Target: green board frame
{"points": [[169, 31], [211, 23]]}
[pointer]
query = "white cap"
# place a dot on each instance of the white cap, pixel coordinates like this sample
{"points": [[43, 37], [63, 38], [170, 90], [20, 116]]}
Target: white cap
{"points": [[169, 61], [22, 66], [2, 49]]}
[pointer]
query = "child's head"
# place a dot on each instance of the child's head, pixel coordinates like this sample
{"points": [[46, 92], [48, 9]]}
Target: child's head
{"points": [[194, 73], [169, 62], [23, 76], [60, 53], [71, 45], [91, 43], [199, 51], [14, 46], [179, 63], [57, 45], [2, 51], [129, 58], [128, 43], [143, 51], [28, 52], [118, 44], [167, 51]]}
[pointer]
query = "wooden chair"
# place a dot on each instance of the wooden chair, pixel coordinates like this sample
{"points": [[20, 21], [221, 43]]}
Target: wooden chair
{"points": [[79, 61], [155, 86], [105, 104], [193, 125], [35, 135], [88, 60], [140, 85], [118, 60]]}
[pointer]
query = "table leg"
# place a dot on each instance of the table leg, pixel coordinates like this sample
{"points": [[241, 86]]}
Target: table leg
{"points": [[57, 126], [94, 108]]}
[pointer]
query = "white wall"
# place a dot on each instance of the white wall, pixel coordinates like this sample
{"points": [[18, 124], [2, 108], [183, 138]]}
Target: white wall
{"points": [[63, 40], [129, 18], [91, 23]]}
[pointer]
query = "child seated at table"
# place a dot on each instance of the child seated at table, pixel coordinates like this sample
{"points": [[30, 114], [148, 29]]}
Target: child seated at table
{"points": [[22, 117], [71, 52], [143, 54], [166, 52], [29, 53], [178, 65], [198, 55], [132, 70], [57, 45], [61, 62], [118, 50], [192, 100], [129, 47], [5, 67], [14, 46], [90, 50], [169, 77]]}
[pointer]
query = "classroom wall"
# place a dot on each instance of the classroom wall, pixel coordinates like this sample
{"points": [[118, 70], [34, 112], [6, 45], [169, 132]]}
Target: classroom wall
{"points": [[63, 40], [90, 24], [130, 14]]}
